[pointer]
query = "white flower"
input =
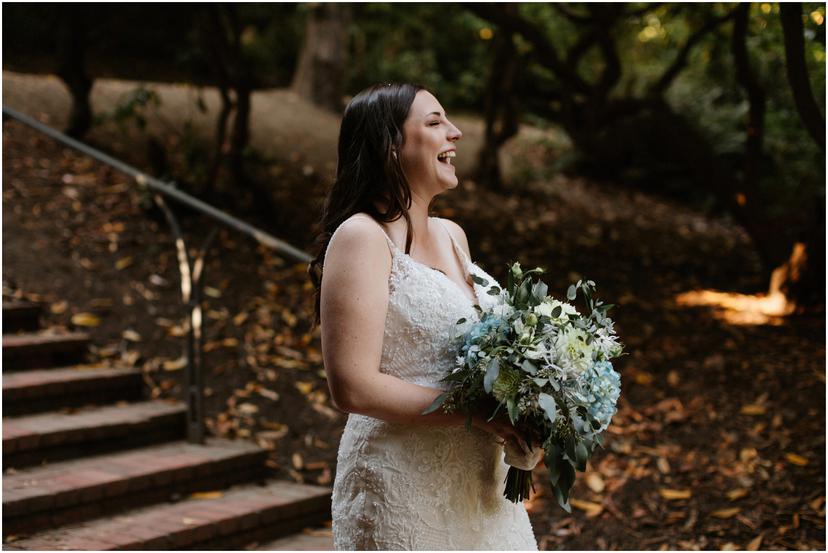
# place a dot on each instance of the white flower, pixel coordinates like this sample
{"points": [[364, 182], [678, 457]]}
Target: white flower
{"points": [[503, 310], [572, 347], [543, 309], [548, 305]]}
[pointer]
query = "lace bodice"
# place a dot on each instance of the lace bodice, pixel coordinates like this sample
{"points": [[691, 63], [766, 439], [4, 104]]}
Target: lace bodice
{"points": [[415, 487]]}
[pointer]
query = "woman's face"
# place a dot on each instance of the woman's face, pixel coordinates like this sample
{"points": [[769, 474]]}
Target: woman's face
{"points": [[427, 133]]}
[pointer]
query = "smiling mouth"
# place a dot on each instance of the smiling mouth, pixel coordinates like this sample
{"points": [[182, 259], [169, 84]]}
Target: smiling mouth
{"points": [[446, 157]]}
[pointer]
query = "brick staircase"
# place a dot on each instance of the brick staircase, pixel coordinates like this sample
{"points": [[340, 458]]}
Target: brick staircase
{"points": [[89, 464]]}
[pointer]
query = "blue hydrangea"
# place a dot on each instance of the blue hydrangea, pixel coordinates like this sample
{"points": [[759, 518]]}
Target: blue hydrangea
{"points": [[473, 336], [601, 388], [481, 329]]}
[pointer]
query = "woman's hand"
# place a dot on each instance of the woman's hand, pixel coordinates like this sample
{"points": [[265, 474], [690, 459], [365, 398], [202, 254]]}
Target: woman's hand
{"points": [[502, 427]]}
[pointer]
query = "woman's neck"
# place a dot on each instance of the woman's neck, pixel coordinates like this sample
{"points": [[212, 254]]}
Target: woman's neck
{"points": [[418, 213]]}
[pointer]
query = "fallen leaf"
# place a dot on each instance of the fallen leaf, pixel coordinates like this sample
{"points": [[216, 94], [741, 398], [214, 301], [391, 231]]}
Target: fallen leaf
{"points": [[726, 513], [325, 478], [595, 482], [212, 292], [278, 426], [796, 459], [667, 493], [175, 364], [304, 387], [754, 544], [269, 394], [131, 335], [644, 378], [736, 493], [752, 409], [123, 263], [592, 509], [85, 319], [207, 495], [59, 307], [297, 461], [248, 409]]}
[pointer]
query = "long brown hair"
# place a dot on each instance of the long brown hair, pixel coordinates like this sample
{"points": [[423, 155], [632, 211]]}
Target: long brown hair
{"points": [[366, 169]]}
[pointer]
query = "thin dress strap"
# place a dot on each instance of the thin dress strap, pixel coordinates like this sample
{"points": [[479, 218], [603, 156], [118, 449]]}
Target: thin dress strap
{"points": [[464, 258], [391, 243]]}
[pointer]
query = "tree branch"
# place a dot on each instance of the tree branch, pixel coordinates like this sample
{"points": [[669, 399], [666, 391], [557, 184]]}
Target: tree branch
{"points": [[680, 62], [547, 54]]}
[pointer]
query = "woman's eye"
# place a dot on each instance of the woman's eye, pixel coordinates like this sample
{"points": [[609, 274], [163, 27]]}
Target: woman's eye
{"points": [[434, 123]]}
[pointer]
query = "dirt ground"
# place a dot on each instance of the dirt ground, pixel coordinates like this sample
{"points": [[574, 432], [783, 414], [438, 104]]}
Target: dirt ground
{"points": [[719, 442]]}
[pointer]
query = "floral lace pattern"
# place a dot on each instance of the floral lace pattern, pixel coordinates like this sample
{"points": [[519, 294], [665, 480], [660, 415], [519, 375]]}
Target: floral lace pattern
{"points": [[417, 487]]}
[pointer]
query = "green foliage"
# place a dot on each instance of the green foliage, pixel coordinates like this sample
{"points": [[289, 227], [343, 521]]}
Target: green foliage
{"points": [[707, 93], [436, 45], [133, 107]]}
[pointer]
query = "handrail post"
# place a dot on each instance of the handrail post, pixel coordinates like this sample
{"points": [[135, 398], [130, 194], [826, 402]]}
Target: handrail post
{"points": [[190, 270]]}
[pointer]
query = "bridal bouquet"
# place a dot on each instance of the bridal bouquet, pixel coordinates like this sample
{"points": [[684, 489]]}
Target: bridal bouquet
{"points": [[549, 366]]}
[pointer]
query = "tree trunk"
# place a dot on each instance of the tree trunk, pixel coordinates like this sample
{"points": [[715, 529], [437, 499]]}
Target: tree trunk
{"points": [[320, 73], [797, 71], [71, 54], [502, 107], [240, 136]]}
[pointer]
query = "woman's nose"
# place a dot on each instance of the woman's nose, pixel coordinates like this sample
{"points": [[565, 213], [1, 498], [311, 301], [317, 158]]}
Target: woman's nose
{"points": [[456, 134]]}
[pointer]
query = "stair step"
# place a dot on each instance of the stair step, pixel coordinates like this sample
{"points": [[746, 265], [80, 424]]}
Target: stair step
{"points": [[318, 538], [29, 351], [48, 389], [71, 491], [20, 316], [235, 517], [52, 436]]}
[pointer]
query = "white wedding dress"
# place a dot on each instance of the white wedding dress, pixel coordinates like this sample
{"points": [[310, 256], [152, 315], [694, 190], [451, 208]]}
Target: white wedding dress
{"points": [[421, 487]]}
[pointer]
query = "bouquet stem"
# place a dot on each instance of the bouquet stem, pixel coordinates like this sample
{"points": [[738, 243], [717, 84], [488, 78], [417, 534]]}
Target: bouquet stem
{"points": [[518, 484]]}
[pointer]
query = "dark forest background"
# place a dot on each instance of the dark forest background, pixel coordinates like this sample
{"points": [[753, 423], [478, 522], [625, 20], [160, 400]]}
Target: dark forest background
{"points": [[672, 152]]}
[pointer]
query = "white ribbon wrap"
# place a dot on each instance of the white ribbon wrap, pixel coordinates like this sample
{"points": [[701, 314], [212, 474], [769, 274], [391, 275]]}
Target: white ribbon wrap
{"points": [[516, 457]]}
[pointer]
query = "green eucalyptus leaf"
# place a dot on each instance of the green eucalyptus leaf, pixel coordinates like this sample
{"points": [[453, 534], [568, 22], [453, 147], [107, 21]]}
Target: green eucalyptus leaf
{"points": [[539, 290], [461, 321], [547, 403], [438, 401], [511, 407], [551, 456], [492, 371], [479, 280], [493, 291], [571, 293], [529, 367], [581, 456]]}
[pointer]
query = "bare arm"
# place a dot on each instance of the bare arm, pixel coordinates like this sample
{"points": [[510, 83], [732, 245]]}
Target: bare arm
{"points": [[353, 307]]}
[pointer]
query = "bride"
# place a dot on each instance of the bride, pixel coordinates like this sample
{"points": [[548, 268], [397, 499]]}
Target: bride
{"points": [[395, 283]]}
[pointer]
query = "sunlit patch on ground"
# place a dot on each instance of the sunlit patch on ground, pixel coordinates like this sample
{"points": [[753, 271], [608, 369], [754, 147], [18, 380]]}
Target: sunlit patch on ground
{"points": [[740, 309]]}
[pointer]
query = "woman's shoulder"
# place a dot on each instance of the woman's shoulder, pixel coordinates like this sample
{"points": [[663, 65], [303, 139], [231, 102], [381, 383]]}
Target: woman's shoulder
{"points": [[359, 235]]}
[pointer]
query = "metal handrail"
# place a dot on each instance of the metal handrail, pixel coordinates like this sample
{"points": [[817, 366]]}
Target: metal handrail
{"points": [[191, 269], [168, 189]]}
